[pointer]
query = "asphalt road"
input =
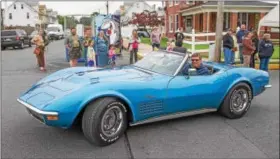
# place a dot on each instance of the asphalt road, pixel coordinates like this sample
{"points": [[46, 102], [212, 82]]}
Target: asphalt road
{"points": [[256, 135]]}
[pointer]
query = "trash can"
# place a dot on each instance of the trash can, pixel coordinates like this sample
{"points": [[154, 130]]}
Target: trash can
{"points": [[211, 51]]}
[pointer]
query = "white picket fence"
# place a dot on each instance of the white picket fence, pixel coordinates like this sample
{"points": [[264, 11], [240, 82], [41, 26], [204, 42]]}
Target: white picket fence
{"points": [[193, 42]]}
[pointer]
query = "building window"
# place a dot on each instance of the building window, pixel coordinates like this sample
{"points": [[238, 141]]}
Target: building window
{"points": [[176, 22], [21, 6], [243, 19], [27, 15], [227, 21], [170, 3], [10, 16], [190, 2], [170, 23], [15, 7], [177, 2]]}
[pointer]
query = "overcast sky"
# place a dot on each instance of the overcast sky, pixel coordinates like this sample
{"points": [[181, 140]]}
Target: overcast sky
{"points": [[82, 7]]}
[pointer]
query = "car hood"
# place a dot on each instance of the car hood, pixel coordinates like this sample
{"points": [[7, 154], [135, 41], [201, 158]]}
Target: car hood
{"points": [[68, 81]]}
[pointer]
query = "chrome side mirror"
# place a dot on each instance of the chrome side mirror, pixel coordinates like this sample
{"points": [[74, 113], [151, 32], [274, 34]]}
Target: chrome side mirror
{"points": [[192, 72]]}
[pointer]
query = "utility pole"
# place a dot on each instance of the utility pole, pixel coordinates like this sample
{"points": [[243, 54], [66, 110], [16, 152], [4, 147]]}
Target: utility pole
{"points": [[107, 7], [219, 31]]}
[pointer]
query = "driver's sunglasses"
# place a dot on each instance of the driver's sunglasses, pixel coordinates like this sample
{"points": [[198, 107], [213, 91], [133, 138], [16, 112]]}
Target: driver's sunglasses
{"points": [[195, 60]]}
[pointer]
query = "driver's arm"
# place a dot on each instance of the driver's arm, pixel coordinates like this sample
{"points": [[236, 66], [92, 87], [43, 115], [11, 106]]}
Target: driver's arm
{"points": [[185, 69]]}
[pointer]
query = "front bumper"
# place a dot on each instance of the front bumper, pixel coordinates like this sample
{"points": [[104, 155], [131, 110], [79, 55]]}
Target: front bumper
{"points": [[10, 43], [40, 115], [268, 86]]}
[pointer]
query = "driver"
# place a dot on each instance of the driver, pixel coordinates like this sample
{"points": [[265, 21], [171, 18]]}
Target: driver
{"points": [[197, 64]]}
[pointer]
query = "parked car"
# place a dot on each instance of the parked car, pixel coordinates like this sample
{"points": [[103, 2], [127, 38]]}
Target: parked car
{"points": [[105, 101], [14, 38]]}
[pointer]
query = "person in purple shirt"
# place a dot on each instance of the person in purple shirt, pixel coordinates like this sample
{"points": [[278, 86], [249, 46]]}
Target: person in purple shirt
{"points": [[240, 34], [197, 64]]}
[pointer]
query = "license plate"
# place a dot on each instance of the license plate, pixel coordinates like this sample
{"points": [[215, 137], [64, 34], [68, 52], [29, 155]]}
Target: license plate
{"points": [[8, 39]]}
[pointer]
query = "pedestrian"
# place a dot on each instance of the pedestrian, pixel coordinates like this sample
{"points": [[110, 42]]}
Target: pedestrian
{"points": [[134, 43], [235, 47], [179, 47], [240, 35], [155, 38], [41, 41], [91, 55], [248, 48], [179, 36], [266, 50], [255, 40], [73, 44], [169, 45], [228, 45], [101, 49], [88, 42], [112, 56]]}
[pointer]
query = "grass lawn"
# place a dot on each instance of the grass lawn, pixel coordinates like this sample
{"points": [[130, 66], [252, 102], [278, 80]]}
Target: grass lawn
{"points": [[202, 47]]}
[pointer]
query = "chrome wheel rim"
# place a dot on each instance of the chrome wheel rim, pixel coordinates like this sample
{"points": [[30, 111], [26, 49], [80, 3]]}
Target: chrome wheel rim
{"points": [[239, 100], [112, 121]]}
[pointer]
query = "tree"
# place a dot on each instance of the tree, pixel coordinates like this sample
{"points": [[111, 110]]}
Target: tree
{"points": [[147, 18], [93, 14], [86, 21]]}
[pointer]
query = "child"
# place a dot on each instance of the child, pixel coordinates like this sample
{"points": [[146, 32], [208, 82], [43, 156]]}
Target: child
{"points": [[112, 56], [169, 45], [91, 55]]}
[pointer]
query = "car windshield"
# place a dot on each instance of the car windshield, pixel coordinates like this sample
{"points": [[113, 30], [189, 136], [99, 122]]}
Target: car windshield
{"points": [[161, 62], [52, 29], [8, 33]]}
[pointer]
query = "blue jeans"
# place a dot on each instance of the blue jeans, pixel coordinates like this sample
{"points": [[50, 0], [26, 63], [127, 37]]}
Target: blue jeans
{"points": [[264, 63], [85, 56], [228, 56], [232, 57], [240, 54]]}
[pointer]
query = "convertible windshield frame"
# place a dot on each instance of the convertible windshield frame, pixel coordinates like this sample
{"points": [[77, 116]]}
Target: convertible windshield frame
{"points": [[177, 71]]}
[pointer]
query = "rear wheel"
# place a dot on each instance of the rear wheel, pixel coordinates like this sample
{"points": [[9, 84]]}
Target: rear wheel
{"points": [[104, 121], [3, 48], [237, 102]]}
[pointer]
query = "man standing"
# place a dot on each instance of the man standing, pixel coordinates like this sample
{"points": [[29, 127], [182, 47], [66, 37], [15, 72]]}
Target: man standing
{"points": [[240, 35], [179, 47], [228, 47], [73, 44], [179, 36], [87, 42]]}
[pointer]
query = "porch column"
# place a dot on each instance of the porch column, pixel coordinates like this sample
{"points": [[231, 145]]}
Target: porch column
{"points": [[205, 22], [233, 20], [193, 21], [208, 23]]}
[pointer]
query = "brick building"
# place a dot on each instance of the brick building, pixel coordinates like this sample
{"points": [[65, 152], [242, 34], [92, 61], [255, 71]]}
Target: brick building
{"points": [[201, 15]]}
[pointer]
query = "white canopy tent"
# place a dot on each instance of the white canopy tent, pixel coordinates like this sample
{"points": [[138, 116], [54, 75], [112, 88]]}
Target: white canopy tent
{"points": [[271, 19]]}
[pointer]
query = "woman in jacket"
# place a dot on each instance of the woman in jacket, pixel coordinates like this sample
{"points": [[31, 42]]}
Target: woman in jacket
{"points": [[266, 50], [41, 41], [255, 41], [248, 49], [101, 49]]}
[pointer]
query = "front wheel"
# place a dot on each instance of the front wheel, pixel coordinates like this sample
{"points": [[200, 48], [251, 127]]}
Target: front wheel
{"points": [[237, 102], [104, 121]]}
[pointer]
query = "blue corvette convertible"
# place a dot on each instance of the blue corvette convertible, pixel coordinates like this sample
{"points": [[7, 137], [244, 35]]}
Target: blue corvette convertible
{"points": [[107, 101]]}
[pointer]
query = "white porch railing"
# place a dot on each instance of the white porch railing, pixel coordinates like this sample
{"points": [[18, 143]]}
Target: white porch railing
{"points": [[193, 42]]}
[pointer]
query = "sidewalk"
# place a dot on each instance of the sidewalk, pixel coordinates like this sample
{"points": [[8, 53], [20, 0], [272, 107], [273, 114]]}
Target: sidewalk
{"points": [[145, 48]]}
